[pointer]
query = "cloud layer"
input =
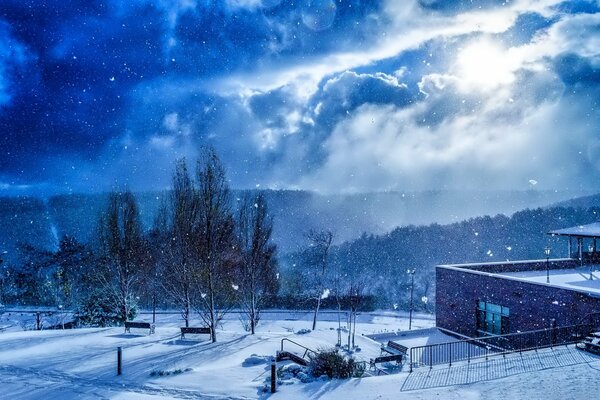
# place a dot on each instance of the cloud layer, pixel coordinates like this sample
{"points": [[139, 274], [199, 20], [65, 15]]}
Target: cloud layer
{"points": [[336, 96]]}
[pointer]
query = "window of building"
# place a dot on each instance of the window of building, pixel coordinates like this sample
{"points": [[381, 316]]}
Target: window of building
{"points": [[492, 318]]}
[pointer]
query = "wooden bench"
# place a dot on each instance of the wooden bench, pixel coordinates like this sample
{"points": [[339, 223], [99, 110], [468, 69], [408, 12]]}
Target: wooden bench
{"points": [[392, 352], [194, 331], [397, 348], [138, 325]]}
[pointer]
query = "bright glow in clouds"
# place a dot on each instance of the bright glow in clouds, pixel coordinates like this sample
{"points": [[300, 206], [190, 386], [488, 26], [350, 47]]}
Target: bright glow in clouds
{"points": [[484, 65]]}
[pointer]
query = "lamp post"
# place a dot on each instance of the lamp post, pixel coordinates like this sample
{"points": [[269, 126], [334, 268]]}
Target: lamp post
{"points": [[2, 254], [411, 272], [591, 250], [547, 252]]}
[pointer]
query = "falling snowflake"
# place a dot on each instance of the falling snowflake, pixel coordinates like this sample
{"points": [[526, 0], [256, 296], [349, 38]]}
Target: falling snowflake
{"points": [[424, 299], [533, 182], [325, 294], [234, 286]]}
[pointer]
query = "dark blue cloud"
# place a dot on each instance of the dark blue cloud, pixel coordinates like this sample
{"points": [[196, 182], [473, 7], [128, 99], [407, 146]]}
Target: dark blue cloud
{"points": [[576, 71], [87, 61], [578, 7], [525, 27], [457, 6]]}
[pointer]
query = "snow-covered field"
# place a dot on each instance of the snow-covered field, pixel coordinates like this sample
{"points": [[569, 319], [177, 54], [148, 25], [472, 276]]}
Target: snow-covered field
{"points": [[82, 364]]}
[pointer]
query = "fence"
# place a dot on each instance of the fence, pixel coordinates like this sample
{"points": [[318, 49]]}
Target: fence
{"points": [[490, 346]]}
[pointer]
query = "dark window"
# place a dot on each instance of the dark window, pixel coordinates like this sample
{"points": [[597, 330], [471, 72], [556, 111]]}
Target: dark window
{"points": [[492, 318]]}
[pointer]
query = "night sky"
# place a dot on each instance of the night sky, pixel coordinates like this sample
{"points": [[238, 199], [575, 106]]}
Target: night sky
{"points": [[334, 96]]}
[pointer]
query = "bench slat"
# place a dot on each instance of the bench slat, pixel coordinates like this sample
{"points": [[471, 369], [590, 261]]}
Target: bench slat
{"points": [[396, 357], [196, 330], [399, 347], [139, 325]]}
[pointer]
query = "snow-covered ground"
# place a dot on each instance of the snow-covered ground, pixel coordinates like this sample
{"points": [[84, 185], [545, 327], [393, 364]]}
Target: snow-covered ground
{"points": [[82, 364]]}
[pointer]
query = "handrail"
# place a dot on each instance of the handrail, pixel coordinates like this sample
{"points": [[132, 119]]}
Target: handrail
{"points": [[589, 317], [299, 345], [486, 346]]}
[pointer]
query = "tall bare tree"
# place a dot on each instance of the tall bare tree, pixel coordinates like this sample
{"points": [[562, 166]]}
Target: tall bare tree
{"points": [[122, 248], [180, 252], [320, 243], [256, 276], [214, 240]]}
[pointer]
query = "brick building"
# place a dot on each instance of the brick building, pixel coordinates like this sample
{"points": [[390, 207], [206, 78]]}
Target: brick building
{"points": [[483, 299]]}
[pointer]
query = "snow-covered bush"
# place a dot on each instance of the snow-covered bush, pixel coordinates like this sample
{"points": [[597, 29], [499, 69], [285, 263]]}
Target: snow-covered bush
{"points": [[255, 359], [177, 371], [333, 364]]}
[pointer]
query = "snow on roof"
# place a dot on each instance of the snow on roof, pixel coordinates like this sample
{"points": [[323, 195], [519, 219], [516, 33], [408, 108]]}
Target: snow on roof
{"points": [[589, 230], [577, 279]]}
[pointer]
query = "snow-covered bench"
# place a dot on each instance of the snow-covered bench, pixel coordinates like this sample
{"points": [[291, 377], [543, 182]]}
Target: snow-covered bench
{"points": [[138, 325], [591, 343], [389, 353], [194, 331]]}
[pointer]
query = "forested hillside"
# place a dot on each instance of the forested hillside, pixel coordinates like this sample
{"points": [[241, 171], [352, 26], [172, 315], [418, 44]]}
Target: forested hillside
{"points": [[380, 263]]}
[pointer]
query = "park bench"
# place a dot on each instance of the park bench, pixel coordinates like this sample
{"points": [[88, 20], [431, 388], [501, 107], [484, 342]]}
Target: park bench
{"points": [[194, 331], [138, 325], [390, 353]]}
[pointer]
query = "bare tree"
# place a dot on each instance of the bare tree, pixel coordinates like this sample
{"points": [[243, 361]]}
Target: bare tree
{"points": [[214, 241], [256, 275], [180, 252], [356, 292], [158, 242], [320, 244], [122, 248]]}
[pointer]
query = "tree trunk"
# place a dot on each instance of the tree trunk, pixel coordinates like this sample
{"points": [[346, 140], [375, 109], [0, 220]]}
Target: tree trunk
{"points": [[354, 329], [252, 314], [213, 334], [339, 335], [314, 325], [153, 308]]}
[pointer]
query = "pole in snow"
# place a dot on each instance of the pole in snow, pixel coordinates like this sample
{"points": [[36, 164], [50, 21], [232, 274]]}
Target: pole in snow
{"points": [[273, 376], [119, 360], [412, 286]]}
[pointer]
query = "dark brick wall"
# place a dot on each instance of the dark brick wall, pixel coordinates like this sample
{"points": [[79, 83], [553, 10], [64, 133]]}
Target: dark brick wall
{"points": [[531, 306]]}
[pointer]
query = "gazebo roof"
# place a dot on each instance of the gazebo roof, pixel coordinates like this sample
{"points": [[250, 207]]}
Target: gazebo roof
{"points": [[590, 231]]}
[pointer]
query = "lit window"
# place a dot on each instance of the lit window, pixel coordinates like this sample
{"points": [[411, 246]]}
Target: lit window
{"points": [[492, 318]]}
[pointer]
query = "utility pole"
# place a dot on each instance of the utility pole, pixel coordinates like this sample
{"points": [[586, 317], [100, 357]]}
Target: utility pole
{"points": [[547, 252], [411, 272]]}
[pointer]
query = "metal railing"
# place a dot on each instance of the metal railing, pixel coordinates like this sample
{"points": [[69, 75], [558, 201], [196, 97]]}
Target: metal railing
{"points": [[306, 349], [496, 345]]}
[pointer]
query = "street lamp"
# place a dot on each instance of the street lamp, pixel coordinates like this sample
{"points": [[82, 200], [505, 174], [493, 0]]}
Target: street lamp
{"points": [[547, 252], [411, 272], [591, 249], [2, 278]]}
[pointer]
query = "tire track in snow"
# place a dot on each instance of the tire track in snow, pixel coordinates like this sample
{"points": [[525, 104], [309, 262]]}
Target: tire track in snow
{"points": [[74, 382]]}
